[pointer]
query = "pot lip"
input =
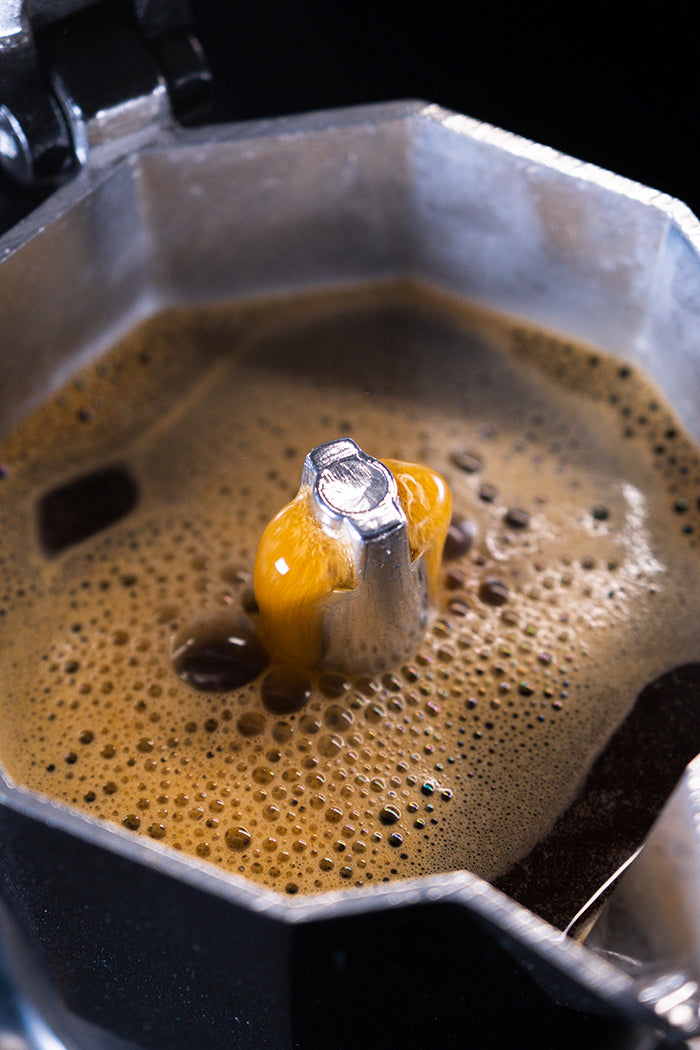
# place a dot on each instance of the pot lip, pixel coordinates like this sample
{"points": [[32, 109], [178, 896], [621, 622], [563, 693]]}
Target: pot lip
{"points": [[201, 875], [372, 116], [537, 945], [458, 887]]}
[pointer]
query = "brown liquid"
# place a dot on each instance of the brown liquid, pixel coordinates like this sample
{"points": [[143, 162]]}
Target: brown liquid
{"points": [[572, 579]]}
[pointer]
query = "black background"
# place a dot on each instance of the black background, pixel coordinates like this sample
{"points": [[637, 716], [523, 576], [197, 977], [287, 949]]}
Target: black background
{"points": [[615, 84]]}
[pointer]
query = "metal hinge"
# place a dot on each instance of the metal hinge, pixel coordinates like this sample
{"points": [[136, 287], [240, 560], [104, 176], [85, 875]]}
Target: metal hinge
{"points": [[78, 78]]}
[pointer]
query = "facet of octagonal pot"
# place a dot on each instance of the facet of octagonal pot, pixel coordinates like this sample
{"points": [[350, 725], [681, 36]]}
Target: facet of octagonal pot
{"points": [[119, 935]]}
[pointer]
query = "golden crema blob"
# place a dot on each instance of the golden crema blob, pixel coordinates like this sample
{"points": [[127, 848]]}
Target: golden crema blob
{"points": [[427, 503], [339, 534], [297, 566]]}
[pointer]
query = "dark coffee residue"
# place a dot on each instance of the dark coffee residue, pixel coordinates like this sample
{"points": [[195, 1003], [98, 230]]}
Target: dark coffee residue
{"points": [[623, 794], [71, 513]]}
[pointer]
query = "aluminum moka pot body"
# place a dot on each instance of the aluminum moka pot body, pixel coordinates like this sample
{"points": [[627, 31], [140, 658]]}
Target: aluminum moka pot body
{"points": [[116, 941]]}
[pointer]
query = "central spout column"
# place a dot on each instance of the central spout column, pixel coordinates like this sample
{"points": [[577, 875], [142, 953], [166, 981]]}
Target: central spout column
{"points": [[383, 619], [345, 573]]}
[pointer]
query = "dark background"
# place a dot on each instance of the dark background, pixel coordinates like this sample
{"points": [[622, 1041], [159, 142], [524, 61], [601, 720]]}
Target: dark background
{"points": [[612, 84], [615, 84]]}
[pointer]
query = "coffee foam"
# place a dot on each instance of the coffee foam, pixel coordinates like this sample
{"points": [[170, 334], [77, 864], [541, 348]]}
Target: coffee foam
{"points": [[580, 586]]}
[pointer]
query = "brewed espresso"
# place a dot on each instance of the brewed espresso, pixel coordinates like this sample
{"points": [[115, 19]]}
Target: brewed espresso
{"points": [[570, 581]]}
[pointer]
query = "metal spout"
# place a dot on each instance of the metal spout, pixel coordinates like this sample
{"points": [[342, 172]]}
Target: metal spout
{"points": [[382, 621]]}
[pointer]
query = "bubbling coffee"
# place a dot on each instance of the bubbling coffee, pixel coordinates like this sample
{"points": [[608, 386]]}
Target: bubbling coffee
{"points": [[134, 684]]}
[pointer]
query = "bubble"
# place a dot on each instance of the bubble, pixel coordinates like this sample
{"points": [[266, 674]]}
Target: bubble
{"points": [[330, 744], [487, 493], [338, 717], [285, 691], [309, 724], [282, 732], [333, 685], [218, 653], [494, 591], [516, 518], [251, 723], [389, 815], [237, 839], [455, 580], [469, 462]]}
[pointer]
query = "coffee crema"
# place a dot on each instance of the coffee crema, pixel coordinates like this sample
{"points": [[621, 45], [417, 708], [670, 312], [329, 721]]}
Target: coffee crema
{"points": [[570, 580]]}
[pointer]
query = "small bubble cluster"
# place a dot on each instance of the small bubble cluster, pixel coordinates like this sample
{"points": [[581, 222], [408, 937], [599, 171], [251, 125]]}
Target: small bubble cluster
{"points": [[135, 686]]}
